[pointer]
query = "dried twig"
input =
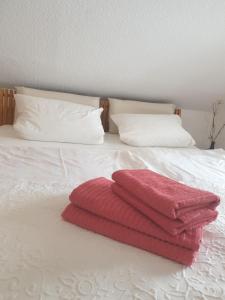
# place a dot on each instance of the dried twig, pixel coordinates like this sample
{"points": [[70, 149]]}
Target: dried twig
{"points": [[213, 135], [219, 131]]}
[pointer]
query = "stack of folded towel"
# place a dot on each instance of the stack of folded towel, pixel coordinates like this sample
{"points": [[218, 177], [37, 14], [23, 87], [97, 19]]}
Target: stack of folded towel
{"points": [[146, 210]]}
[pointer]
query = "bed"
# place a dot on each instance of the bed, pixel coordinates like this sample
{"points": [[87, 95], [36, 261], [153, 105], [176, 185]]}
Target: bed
{"points": [[43, 257]]}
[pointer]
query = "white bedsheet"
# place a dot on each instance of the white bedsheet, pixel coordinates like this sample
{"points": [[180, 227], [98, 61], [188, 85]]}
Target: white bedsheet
{"points": [[45, 258]]}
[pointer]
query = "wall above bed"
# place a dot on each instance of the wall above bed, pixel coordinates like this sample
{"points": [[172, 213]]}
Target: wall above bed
{"points": [[149, 49]]}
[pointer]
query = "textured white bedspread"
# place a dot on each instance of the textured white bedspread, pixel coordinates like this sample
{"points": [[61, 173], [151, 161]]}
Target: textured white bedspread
{"points": [[45, 258]]}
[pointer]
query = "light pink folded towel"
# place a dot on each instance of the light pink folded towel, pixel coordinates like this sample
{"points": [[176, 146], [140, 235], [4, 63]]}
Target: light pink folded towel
{"points": [[95, 207], [172, 205]]}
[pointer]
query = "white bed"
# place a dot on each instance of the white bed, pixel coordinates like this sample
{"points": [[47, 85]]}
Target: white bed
{"points": [[45, 258]]}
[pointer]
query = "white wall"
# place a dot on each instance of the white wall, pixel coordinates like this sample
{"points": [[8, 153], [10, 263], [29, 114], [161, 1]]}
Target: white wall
{"points": [[171, 50], [220, 121], [197, 124], [221, 142]]}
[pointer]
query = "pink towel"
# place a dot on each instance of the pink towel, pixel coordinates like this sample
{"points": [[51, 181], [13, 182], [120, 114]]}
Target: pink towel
{"points": [[87, 220], [170, 198], [198, 219], [96, 198]]}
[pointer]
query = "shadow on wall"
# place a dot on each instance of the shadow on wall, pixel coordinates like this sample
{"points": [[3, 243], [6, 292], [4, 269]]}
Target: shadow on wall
{"points": [[197, 123], [220, 143]]}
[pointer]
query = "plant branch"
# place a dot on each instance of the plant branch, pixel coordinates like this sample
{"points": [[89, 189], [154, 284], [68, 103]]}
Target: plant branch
{"points": [[213, 135], [214, 111], [219, 131]]}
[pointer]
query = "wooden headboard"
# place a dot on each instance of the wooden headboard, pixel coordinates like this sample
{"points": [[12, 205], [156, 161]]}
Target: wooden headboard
{"points": [[7, 108]]}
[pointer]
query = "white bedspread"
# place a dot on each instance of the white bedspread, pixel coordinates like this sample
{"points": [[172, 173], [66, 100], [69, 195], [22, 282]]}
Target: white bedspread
{"points": [[45, 258]]}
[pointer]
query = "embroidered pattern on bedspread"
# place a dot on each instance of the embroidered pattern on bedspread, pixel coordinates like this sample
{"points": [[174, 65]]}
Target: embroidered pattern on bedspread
{"points": [[29, 271], [42, 257]]}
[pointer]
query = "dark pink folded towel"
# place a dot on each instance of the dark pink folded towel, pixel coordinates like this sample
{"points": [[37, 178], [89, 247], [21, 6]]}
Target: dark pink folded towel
{"points": [[169, 197], [198, 219], [97, 201], [87, 220]]}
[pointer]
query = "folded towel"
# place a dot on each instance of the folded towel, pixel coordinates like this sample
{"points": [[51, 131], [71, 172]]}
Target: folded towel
{"points": [[87, 220], [198, 219], [172, 199], [96, 197]]}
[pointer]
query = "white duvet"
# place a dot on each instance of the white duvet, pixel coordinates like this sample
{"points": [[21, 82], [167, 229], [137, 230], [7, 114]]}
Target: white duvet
{"points": [[45, 258]]}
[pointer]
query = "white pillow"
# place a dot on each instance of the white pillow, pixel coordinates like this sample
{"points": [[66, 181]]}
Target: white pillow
{"points": [[152, 130], [59, 121], [80, 99], [118, 106]]}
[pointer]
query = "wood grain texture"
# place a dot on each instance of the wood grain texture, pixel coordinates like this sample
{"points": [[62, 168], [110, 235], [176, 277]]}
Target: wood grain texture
{"points": [[104, 103], [177, 112], [7, 106]]}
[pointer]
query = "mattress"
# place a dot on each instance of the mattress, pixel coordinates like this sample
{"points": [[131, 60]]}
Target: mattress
{"points": [[43, 257]]}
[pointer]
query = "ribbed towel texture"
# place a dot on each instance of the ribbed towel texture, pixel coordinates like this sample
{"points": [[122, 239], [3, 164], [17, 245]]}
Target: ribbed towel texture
{"points": [[198, 218], [87, 220], [168, 197], [107, 208]]}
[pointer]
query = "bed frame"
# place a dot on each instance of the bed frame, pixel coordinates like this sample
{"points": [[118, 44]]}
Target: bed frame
{"points": [[7, 108]]}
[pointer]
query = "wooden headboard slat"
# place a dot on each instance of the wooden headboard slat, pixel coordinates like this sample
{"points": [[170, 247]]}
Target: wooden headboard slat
{"points": [[11, 106], [104, 103], [4, 107], [7, 106], [177, 112], [1, 107]]}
